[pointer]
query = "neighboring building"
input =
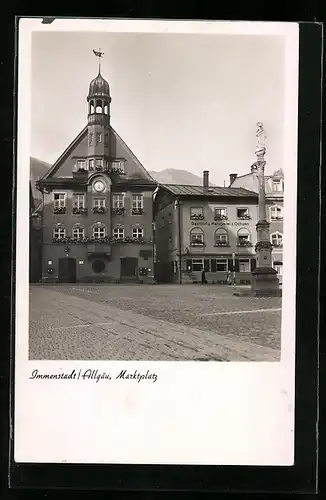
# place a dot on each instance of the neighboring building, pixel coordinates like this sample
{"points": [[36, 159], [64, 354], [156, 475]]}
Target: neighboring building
{"points": [[204, 228], [274, 188], [97, 205], [35, 240]]}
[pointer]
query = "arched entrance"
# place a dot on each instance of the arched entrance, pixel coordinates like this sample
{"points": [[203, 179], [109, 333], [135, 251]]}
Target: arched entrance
{"points": [[67, 270]]}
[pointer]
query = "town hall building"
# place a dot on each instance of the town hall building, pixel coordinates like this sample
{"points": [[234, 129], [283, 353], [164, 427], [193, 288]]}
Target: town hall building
{"points": [[96, 211]]}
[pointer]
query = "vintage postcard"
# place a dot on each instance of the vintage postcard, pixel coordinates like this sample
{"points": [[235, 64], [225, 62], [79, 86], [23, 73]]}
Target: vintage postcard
{"points": [[156, 242]]}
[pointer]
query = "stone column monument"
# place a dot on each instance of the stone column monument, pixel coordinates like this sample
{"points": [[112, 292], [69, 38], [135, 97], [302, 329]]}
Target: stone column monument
{"points": [[264, 281], [264, 277]]}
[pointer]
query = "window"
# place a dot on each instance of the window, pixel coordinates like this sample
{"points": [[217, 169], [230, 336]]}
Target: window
{"points": [[243, 237], [118, 200], [244, 265], [196, 237], [98, 266], [81, 165], [59, 200], [118, 233], [221, 264], [242, 213], [278, 264], [79, 201], [99, 231], [220, 213], [90, 138], [78, 232], [277, 239], [137, 201], [106, 139], [91, 165], [221, 237], [98, 138], [99, 163], [277, 185], [59, 232], [197, 264], [196, 213], [137, 232], [276, 213], [99, 202]]}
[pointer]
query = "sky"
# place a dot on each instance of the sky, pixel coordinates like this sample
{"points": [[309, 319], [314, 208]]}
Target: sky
{"points": [[182, 101]]}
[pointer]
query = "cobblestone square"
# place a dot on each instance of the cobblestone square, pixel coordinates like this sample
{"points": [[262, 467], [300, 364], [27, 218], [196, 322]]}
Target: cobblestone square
{"points": [[152, 323]]}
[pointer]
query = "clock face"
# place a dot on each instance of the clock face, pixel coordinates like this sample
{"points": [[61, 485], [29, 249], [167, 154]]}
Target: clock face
{"points": [[98, 186]]}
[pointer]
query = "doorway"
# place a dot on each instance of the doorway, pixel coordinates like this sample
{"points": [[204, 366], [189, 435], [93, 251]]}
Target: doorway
{"points": [[128, 267], [67, 270]]}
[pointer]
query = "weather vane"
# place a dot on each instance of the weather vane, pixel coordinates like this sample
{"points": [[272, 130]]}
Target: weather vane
{"points": [[98, 54]]}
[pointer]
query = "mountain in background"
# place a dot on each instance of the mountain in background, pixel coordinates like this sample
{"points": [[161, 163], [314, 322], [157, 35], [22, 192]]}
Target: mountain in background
{"points": [[176, 176], [38, 168]]}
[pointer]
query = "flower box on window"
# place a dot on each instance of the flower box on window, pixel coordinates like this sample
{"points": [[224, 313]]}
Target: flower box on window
{"points": [[277, 245], [244, 244], [220, 217], [276, 218], [99, 210], [118, 211], [197, 217], [59, 210], [244, 217], [197, 243], [79, 210], [114, 170], [99, 168], [221, 244], [137, 211]]}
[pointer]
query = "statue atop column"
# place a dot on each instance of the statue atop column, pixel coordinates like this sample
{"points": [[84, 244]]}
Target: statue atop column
{"points": [[260, 139]]}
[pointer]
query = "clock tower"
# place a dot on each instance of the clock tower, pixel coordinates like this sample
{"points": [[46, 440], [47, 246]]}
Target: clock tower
{"points": [[99, 101]]}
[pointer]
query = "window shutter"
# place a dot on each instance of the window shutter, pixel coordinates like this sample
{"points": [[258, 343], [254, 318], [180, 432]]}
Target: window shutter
{"points": [[253, 264], [213, 265], [189, 265], [206, 265], [237, 265], [230, 265]]}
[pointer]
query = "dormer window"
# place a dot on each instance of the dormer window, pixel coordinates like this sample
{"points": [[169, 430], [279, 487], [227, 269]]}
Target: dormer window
{"points": [[277, 185], [99, 164], [81, 165]]}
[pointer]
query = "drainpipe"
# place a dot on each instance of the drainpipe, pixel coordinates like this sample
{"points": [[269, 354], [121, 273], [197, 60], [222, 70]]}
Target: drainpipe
{"points": [[179, 239]]}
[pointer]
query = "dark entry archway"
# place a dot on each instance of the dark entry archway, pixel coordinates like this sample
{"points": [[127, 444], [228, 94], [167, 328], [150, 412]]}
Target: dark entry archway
{"points": [[67, 270], [128, 267]]}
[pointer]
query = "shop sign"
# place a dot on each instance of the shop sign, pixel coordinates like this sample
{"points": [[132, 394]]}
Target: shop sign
{"points": [[219, 223]]}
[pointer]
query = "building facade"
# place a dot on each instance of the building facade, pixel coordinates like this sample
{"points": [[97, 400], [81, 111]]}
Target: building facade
{"points": [[202, 228], [274, 189], [97, 215], [35, 240]]}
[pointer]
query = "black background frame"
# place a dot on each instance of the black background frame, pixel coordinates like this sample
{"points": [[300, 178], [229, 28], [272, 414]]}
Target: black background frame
{"points": [[301, 478]]}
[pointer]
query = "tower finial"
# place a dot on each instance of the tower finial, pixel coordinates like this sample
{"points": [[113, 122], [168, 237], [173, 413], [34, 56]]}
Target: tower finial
{"points": [[98, 54]]}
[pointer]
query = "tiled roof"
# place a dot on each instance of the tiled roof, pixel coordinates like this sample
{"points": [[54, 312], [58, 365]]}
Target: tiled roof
{"points": [[184, 190]]}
